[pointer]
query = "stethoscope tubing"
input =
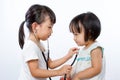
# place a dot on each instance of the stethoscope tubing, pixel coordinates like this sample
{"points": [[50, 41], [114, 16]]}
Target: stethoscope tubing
{"points": [[71, 65]]}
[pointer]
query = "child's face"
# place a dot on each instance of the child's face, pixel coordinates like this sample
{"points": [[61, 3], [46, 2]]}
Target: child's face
{"points": [[45, 29], [79, 38]]}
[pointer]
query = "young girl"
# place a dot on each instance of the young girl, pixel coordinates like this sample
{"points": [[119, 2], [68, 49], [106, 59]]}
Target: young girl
{"points": [[90, 63], [39, 20]]}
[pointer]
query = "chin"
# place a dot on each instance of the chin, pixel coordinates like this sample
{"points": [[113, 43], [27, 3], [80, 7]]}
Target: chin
{"points": [[77, 44], [44, 39], [80, 44]]}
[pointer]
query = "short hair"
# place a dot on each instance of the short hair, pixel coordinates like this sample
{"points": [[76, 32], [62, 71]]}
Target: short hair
{"points": [[90, 23]]}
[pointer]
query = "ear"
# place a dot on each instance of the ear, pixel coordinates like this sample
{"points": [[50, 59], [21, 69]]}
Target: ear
{"points": [[34, 27]]}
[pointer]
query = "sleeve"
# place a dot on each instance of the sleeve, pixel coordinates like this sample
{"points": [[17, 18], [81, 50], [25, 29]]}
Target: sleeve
{"points": [[96, 45], [30, 53]]}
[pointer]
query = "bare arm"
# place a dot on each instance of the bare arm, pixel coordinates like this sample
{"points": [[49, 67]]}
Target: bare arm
{"points": [[95, 69], [43, 73], [58, 62]]}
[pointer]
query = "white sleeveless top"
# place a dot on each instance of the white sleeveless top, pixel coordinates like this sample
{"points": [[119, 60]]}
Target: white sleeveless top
{"points": [[84, 62]]}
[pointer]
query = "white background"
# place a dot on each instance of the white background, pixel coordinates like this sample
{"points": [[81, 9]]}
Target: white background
{"points": [[12, 13]]}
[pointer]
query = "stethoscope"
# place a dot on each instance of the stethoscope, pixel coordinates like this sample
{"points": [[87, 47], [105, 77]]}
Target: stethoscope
{"points": [[46, 60], [71, 65]]}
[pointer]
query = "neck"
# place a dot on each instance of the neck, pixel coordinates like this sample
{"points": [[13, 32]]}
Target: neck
{"points": [[36, 41], [33, 38], [88, 44]]}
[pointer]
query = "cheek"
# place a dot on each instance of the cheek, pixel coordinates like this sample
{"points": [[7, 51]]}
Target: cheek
{"points": [[80, 41]]}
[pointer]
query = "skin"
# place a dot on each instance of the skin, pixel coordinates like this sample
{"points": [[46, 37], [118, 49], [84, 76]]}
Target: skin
{"points": [[96, 56], [42, 32]]}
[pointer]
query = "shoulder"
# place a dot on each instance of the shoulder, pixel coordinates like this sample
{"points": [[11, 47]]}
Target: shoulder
{"points": [[29, 44], [30, 47], [30, 51], [96, 48], [96, 45]]}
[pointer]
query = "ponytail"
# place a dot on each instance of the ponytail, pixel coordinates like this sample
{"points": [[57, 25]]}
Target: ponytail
{"points": [[21, 35]]}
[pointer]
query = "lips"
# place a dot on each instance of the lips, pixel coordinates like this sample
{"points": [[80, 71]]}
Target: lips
{"points": [[49, 35], [76, 42]]}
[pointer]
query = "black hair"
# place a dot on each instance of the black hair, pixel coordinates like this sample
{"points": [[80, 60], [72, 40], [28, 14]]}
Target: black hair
{"points": [[36, 13], [90, 23]]}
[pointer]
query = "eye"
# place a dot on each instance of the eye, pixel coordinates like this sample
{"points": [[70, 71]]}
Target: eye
{"points": [[75, 34], [49, 27]]}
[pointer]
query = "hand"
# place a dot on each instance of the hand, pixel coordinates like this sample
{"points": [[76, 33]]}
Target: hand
{"points": [[68, 77], [65, 70], [75, 78], [72, 51], [62, 78]]}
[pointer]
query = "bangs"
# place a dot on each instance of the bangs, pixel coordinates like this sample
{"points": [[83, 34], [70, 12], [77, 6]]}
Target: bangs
{"points": [[74, 27]]}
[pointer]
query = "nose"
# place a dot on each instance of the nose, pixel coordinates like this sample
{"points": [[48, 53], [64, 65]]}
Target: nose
{"points": [[74, 38], [51, 31]]}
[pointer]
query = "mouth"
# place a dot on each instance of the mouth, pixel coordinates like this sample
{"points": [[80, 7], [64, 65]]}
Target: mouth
{"points": [[76, 42], [49, 36]]}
